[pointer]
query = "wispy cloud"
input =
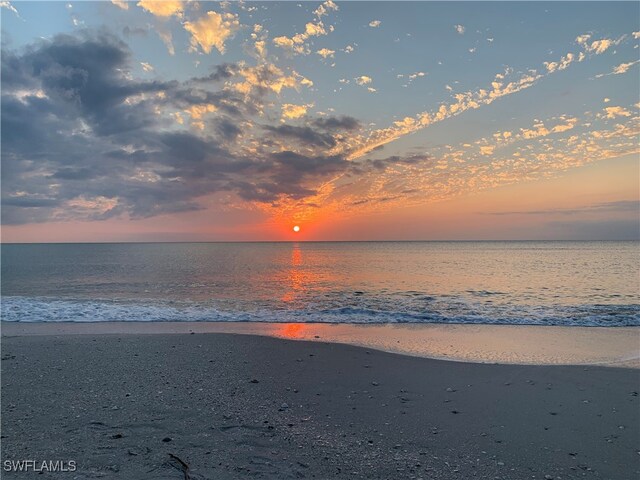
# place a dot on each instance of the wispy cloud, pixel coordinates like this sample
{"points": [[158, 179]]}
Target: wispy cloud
{"points": [[212, 30], [363, 80], [298, 43], [500, 88], [123, 4], [619, 70], [162, 8], [9, 6], [606, 207]]}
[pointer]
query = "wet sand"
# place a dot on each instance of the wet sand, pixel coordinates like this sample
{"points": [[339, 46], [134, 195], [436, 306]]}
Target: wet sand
{"points": [[243, 406], [519, 344]]}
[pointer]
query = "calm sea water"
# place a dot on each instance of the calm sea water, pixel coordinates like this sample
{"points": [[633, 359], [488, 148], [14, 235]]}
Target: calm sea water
{"points": [[554, 283]]}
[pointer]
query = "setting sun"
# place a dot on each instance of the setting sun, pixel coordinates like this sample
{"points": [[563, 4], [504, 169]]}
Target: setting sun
{"points": [[296, 229]]}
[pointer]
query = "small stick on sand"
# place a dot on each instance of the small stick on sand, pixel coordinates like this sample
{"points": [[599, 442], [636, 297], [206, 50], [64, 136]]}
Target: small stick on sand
{"points": [[184, 466]]}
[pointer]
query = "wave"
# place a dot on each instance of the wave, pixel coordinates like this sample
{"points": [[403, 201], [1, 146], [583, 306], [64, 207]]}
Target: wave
{"points": [[42, 309]]}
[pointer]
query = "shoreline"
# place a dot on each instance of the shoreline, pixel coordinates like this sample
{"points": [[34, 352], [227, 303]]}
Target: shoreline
{"points": [[495, 344]]}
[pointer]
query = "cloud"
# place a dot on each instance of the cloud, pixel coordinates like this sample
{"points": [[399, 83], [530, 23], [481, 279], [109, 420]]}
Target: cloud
{"points": [[623, 67], [540, 130], [266, 77], [163, 8], [123, 4], [283, 42], [261, 48], [297, 44], [582, 39], [500, 88], [487, 149], [147, 67], [212, 30], [600, 46], [132, 31], [166, 37], [338, 123], [86, 72], [124, 154], [561, 65], [325, 7], [9, 6], [459, 28], [375, 23], [363, 80], [325, 52], [449, 171], [605, 228], [259, 36], [619, 70], [227, 128], [597, 46], [613, 112], [292, 111], [382, 164], [464, 102], [411, 77], [631, 206], [198, 112], [569, 124], [306, 136]]}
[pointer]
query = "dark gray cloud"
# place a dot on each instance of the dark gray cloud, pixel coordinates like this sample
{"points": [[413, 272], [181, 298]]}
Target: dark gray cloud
{"points": [[381, 164], [632, 206], [288, 173], [224, 71], [304, 135], [87, 73], [337, 123], [375, 200], [72, 138], [134, 31], [227, 128]]}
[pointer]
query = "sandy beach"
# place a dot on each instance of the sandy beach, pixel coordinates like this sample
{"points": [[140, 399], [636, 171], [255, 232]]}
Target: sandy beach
{"points": [[227, 406]]}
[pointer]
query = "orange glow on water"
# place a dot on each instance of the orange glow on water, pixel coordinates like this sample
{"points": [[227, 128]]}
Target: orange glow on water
{"points": [[292, 330], [298, 278]]}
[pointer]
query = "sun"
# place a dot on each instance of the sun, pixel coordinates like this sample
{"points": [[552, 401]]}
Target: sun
{"points": [[296, 229]]}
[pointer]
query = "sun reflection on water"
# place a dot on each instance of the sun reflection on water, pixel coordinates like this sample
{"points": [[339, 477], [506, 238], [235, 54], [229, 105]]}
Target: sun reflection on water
{"points": [[292, 330], [298, 277]]}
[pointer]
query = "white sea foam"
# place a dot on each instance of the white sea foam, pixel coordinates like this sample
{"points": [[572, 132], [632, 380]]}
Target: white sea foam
{"points": [[40, 309]]}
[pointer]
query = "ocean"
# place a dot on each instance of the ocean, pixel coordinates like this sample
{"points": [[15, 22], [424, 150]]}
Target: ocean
{"points": [[536, 283]]}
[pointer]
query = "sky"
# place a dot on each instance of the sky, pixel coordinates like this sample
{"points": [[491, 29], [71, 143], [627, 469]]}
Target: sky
{"points": [[235, 121]]}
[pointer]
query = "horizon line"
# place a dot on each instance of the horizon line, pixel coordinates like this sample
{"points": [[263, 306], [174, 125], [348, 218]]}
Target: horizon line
{"points": [[322, 241]]}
